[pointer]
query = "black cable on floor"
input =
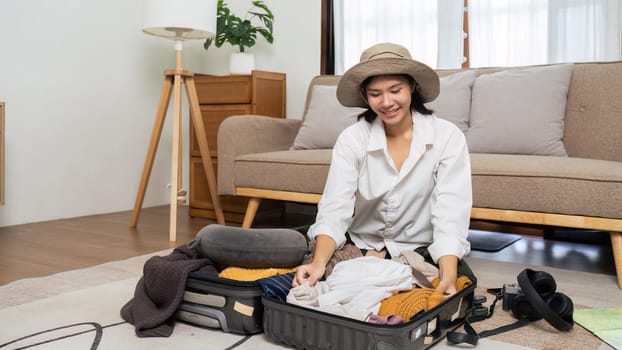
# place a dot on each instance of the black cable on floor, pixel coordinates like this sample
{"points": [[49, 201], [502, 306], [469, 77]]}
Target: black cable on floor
{"points": [[97, 328], [239, 342]]}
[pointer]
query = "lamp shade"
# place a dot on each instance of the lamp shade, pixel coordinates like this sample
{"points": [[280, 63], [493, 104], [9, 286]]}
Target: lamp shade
{"points": [[180, 19]]}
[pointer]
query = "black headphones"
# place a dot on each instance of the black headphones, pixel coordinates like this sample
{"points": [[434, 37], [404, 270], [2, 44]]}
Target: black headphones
{"points": [[536, 299], [540, 300]]}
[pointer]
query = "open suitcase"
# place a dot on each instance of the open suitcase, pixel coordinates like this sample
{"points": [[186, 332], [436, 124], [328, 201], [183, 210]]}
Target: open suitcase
{"points": [[214, 302], [231, 305], [304, 328]]}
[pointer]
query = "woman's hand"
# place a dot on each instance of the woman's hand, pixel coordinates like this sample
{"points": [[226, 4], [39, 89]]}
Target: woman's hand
{"points": [[448, 268], [447, 286], [312, 273]]}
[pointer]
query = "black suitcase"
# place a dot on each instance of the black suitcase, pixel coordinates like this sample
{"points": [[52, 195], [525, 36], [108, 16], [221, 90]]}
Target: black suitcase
{"points": [[304, 328], [214, 302]]}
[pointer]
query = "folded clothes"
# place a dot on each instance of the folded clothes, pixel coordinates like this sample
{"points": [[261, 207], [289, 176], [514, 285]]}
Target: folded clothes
{"points": [[307, 295], [408, 304], [347, 252], [356, 286], [248, 274], [391, 319], [277, 287], [423, 272]]}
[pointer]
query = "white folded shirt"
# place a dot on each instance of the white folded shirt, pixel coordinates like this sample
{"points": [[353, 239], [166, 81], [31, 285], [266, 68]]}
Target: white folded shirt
{"points": [[359, 283]]}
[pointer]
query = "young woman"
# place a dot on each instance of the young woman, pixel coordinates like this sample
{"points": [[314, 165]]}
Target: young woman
{"points": [[400, 177]]}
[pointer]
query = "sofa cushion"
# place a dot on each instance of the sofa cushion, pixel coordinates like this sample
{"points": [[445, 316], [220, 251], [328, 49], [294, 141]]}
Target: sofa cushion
{"points": [[324, 120], [549, 184], [520, 111], [294, 170], [326, 117], [594, 111], [454, 101]]}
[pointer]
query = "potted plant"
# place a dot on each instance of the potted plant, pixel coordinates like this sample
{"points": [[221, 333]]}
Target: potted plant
{"points": [[242, 33]]}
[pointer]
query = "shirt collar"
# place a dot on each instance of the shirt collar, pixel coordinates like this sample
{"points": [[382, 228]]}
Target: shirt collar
{"points": [[377, 139], [423, 133]]}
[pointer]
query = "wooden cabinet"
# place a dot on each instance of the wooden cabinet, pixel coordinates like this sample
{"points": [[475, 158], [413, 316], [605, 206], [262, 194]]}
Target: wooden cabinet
{"points": [[261, 93]]}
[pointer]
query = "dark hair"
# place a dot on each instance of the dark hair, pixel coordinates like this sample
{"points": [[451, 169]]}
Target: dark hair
{"points": [[416, 101]]}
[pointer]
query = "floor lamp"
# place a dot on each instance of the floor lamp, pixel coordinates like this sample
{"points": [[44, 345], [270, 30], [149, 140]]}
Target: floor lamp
{"points": [[178, 20]]}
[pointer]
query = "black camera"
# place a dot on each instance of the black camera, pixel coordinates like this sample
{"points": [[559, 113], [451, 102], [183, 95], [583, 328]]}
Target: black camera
{"points": [[509, 293]]}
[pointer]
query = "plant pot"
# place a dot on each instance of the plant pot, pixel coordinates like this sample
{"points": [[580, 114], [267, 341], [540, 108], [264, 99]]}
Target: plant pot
{"points": [[241, 63]]}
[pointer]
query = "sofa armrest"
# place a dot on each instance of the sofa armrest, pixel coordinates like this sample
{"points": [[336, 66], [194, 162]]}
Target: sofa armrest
{"points": [[244, 134]]}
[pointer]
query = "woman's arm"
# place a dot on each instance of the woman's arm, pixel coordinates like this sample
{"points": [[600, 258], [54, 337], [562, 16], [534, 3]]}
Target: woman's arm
{"points": [[324, 248], [448, 269], [452, 199], [335, 209]]}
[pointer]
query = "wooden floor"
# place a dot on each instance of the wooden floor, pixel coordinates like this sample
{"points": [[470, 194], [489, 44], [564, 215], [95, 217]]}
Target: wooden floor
{"points": [[40, 249], [43, 248], [569, 249]]}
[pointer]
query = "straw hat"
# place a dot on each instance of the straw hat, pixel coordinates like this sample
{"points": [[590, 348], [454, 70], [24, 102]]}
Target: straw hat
{"points": [[383, 59]]}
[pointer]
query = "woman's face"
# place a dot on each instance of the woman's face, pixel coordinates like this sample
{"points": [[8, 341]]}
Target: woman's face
{"points": [[389, 97]]}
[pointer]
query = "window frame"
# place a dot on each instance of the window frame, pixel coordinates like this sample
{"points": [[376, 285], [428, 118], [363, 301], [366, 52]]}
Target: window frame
{"points": [[327, 45]]}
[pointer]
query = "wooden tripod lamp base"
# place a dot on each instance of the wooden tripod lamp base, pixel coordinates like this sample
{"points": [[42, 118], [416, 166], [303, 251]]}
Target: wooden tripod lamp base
{"points": [[178, 20], [173, 81]]}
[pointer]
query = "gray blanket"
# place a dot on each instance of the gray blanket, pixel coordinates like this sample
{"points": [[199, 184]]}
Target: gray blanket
{"points": [[160, 289]]}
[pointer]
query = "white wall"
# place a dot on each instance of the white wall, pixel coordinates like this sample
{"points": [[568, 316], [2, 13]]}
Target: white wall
{"points": [[81, 84]]}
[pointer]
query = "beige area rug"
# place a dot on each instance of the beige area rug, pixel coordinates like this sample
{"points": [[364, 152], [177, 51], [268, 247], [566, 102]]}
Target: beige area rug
{"points": [[88, 298]]}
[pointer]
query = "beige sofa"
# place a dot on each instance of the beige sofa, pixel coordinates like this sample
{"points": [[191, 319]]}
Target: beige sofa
{"points": [[580, 190]]}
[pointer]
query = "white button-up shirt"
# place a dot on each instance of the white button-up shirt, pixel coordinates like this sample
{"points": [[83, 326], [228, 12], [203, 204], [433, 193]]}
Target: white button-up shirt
{"points": [[428, 202]]}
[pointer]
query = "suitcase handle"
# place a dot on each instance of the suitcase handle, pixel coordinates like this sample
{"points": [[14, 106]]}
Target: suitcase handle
{"points": [[218, 315], [214, 314]]}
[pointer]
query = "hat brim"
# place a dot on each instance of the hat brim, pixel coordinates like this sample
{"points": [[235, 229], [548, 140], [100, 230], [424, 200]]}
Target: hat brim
{"points": [[348, 89]]}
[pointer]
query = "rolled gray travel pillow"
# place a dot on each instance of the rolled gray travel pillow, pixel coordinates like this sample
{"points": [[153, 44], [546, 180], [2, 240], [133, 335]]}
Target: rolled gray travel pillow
{"points": [[252, 247]]}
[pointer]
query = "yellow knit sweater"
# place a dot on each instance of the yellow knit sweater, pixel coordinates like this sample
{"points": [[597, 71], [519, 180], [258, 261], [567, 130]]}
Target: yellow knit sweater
{"points": [[408, 304], [246, 274]]}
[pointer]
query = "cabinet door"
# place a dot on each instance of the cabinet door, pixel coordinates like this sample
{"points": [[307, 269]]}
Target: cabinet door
{"points": [[212, 116], [200, 199], [231, 89], [269, 94]]}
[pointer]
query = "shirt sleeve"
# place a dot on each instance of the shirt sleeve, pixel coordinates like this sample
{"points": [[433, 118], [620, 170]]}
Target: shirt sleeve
{"points": [[336, 208], [452, 200]]}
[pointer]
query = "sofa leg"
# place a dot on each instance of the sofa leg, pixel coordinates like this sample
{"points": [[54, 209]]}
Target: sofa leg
{"points": [[616, 245], [251, 210]]}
